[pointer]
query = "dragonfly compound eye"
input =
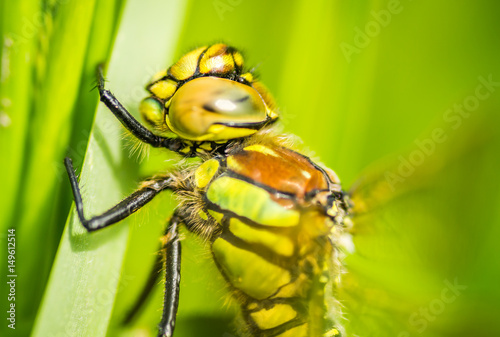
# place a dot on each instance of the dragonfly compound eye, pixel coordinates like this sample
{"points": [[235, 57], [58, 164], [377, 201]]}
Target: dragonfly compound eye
{"points": [[152, 112], [215, 109]]}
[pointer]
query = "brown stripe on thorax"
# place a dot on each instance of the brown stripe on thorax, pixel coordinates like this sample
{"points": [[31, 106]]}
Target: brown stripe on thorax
{"points": [[278, 168]]}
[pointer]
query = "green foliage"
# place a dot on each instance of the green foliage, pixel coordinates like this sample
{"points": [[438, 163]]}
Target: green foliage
{"points": [[356, 81]]}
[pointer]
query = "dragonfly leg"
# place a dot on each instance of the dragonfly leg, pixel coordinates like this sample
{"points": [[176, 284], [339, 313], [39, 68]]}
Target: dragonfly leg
{"points": [[129, 122], [124, 208], [172, 254]]}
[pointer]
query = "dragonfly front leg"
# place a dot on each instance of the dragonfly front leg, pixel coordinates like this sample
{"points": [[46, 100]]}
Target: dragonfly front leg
{"points": [[124, 208], [129, 122]]}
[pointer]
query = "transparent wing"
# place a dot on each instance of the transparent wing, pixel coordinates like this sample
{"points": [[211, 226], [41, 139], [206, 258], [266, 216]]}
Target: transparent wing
{"points": [[424, 236]]}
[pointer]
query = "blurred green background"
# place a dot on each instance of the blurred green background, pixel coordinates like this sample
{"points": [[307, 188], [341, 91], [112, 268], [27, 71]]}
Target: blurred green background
{"points": [[412, 86]]}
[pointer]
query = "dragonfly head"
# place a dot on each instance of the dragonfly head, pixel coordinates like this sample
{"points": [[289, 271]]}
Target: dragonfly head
{"points": [[206, 96]]}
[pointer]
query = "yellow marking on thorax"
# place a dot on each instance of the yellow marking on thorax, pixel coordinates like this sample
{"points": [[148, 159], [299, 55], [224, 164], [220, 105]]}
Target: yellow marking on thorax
{"points": [[233, 164], [315, 225], [293, 289], [332, 333], [277, 315], [203, 215], [206, 172], [216, 215], [248, 271], [252, 306], [185, 150], [250, 201], [298, 331], [262, 149], [278, 243]]}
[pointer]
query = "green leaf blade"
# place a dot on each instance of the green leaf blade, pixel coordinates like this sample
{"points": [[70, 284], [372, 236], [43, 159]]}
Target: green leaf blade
{"points": [[86, 275]]}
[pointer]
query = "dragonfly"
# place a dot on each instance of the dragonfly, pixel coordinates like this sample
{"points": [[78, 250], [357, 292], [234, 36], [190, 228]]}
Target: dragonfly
{"points": [[272, 217]]}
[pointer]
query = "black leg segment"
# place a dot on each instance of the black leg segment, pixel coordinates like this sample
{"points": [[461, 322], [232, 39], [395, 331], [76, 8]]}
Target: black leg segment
{"points": [[136, 128], [123, 209], [172, 251]]}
